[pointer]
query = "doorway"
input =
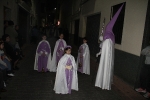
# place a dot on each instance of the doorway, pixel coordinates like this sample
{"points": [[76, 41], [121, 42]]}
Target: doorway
{"points": [[92, 33], [76, 32], [22, 22], [7, 13]]}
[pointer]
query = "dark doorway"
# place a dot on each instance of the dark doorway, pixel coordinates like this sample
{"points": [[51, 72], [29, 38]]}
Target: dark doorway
{"points": [[23, 23], [7, 13], [6, 16], [76, 32], [92, 33]]}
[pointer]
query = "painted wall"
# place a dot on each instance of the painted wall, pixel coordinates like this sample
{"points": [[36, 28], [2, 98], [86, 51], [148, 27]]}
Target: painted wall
{"points": [[134, 20], [87, 9]]}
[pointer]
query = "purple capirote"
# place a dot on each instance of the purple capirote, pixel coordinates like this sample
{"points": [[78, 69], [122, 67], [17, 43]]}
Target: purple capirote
{"points": [[81, 59], [59, 52], [69, 75], [108, 34], [42, 60]]}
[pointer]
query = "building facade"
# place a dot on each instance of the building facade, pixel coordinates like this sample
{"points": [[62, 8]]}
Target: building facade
{"points": [[21, 12], [85, 18]]}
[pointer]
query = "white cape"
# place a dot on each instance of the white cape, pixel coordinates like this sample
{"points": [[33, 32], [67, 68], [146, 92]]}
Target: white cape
{"points": [[60, 81], [86, 59], [37, 56], [104, 77], [54, 62]]}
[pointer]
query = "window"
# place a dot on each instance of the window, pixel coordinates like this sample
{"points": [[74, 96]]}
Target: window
{"points": [[118, 27]]}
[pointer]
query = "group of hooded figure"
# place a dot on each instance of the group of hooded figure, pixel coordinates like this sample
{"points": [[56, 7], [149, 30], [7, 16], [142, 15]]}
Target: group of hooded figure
{"points": [[65, 66], [63, 63]]}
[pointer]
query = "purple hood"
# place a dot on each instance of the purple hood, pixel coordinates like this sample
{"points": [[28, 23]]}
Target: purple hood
{"points": [[108, 34]]}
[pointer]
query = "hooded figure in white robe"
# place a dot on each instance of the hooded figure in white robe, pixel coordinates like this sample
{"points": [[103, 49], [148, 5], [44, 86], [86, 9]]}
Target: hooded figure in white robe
{"points": [[43, 57], [83, 59], [58, 52], [66, 76], [104, 76]]}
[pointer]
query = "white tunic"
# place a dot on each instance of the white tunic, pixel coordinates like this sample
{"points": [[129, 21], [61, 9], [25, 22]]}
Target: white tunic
{"points": [[105, 71], [60, 81], [54, 62], [86, 59]]}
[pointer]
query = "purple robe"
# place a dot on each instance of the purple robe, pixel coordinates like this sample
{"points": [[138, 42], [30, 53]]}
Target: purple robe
{"points": [[59, 52], [42, 59], [69, 74], [81, 59]]}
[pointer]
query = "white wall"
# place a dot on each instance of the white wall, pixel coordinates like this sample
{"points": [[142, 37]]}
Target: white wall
{"points": [[134, 21], [86, 10]]}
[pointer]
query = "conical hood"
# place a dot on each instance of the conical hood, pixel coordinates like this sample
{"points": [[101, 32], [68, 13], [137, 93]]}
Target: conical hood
{"points": [[108, 34]]}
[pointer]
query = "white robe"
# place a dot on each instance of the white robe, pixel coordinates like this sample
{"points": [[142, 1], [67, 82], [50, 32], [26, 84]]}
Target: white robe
{"points": [[37, 56], [54, 62], [60, 86], [104, 77], [86, 59]]}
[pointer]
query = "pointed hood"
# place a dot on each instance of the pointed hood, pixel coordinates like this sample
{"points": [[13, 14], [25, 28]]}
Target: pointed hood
{"points": [[108, 34]]}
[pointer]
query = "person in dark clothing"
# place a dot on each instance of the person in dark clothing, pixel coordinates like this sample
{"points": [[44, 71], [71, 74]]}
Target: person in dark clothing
{"points": [[145, 74], [19, 37], [4, 60], [35, 34], [19, 42], [2, 80], [10, 51], [66, 35], [11, 32]]}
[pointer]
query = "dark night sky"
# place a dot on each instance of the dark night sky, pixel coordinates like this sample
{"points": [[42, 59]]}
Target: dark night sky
{"points": [[49, 4]]}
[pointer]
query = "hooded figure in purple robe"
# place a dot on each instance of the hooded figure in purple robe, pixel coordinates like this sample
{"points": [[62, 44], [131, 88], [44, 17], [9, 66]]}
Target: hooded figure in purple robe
{"points": [[83, 59], [43, 56], [66, 76], [104, 76], [58, 52], [108, 34]]}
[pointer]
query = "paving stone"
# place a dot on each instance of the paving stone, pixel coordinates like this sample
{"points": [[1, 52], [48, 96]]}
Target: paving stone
{"points": [[32, 85]]}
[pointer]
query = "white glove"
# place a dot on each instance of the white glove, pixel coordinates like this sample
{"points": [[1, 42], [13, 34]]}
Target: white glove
{"points": [[46, 53], [62, 49], [41, 52], [98, 54]]}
